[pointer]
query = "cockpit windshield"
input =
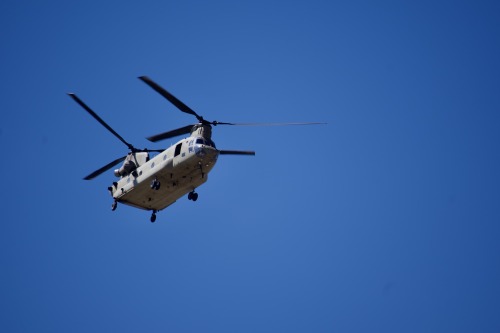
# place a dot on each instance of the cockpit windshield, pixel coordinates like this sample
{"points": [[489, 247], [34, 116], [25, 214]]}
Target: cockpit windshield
{"points": [[201, 141]]}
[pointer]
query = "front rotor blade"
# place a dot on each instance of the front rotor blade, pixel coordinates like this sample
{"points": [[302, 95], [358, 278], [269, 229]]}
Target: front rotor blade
{"points": [[267, 124], [104, 168], [236, 152], [96, 117], [171, 98], [171, 134]]}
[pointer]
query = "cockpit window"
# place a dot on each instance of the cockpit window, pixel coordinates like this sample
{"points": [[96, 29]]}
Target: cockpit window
{"points": [[207, 142]]}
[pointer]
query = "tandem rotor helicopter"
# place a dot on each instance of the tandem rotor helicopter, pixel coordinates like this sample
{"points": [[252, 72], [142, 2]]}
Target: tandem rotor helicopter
{"points": [[155, 183]]}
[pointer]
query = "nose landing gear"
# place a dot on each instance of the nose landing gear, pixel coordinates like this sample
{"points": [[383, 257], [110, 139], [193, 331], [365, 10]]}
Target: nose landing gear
{"points": [[153, 216]]}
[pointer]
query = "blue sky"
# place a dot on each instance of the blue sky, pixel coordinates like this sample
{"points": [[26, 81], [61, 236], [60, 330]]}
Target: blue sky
{"points": [[384, 220]]}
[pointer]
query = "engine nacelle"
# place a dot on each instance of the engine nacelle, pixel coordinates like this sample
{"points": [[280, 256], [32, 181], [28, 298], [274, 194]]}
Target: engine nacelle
{"points": [[132, 162], [126, 169]]}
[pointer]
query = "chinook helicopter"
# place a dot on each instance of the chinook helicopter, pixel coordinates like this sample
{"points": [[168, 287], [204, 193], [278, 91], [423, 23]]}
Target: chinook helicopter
{"points": [[154, 183]]}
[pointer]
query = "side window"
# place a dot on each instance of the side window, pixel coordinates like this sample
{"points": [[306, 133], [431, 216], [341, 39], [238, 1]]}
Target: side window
{"points": [[178, 149]]}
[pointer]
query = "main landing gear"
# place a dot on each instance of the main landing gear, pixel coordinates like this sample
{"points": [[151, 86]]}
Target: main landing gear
{"points": [[153, 216], [193, 196]]}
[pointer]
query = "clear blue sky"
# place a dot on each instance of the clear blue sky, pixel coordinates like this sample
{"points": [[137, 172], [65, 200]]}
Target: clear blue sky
{"points": [[385, 220]]}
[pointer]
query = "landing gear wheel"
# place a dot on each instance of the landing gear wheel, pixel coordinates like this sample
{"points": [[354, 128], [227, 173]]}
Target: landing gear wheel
{"points": [[153, 217], [114, 205], [193, 196]]}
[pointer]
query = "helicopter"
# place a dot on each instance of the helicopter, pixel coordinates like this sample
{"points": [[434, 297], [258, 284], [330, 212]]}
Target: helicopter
{"points": [[154, 183]]}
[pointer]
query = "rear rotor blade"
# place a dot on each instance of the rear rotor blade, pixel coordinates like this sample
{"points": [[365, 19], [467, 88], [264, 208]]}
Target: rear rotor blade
{"points": [[104, 168], [171, 134], [102, 122], [171, 98], [153, 150], [236, 152]]}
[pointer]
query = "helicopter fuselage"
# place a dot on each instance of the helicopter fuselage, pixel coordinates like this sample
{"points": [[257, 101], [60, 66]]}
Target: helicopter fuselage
{"points": [[159, 182]]}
